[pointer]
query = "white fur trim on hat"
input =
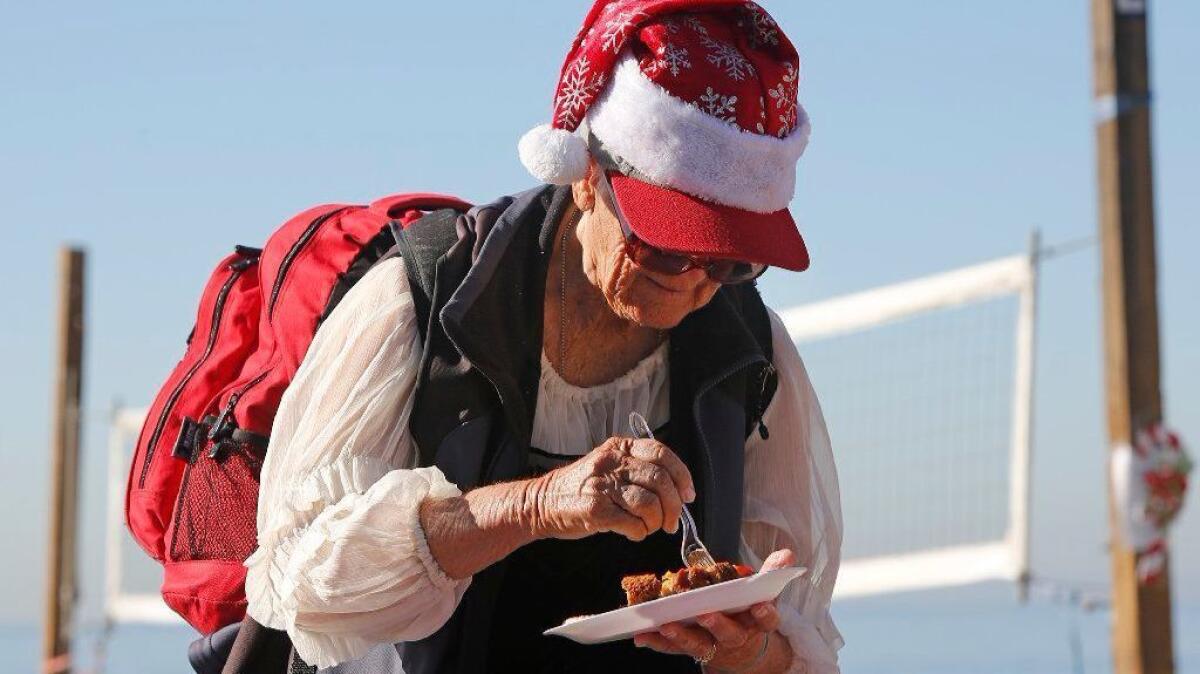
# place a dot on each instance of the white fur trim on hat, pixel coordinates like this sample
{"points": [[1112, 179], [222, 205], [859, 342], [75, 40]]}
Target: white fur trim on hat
{"points": [[677, 145], [554, 156]]}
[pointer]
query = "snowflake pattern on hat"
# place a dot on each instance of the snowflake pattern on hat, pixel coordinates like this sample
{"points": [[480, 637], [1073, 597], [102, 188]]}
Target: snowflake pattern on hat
{"points": [[783, 96], [738, 53], [727, 57], [579, 87], [718, 106], [766, 31], [673, 59], [617, 28], [677, 87]]}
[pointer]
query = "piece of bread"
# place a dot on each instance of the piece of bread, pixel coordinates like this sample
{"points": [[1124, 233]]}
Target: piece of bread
{"points": [[640, 588], [644, 587]]}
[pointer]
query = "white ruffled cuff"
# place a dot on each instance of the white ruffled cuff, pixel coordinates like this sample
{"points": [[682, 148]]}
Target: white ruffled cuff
{"points": [[811, 653], [266, 568], [361, 573]]}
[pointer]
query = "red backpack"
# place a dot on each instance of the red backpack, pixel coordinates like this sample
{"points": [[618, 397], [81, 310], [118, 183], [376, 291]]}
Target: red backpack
{"points": [[192, 496]]}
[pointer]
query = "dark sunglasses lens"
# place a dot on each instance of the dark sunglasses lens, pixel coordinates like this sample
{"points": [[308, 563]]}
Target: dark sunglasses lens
{"points": [[730, 271], [660, 261]]}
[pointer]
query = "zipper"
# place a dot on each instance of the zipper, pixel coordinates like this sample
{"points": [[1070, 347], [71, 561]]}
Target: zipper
{"points": [[710, 478], [224, 425], [305, 236], [239, 267], [760, 405]]}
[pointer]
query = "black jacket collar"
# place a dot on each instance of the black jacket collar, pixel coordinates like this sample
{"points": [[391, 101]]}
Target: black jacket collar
{"points": [[495, 316]]}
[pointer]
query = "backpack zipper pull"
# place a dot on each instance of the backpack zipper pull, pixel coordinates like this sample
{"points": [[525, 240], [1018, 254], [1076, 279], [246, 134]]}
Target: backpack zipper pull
{"points": [[221, 427], [225, 425]]}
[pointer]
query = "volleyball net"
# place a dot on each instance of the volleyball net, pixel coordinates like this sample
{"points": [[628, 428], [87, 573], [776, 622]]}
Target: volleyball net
{"points": [[131, 582], [926, 387]]}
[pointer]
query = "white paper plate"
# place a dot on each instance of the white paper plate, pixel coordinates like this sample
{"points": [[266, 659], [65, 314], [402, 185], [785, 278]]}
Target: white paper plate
{"points": [[731, 596]]}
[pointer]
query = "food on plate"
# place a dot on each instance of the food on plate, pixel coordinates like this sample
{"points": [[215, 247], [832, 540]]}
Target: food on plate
{"points": [[645, 587], [641, 588]]}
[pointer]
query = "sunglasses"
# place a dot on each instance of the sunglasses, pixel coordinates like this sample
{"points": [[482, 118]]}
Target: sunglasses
{"points": [[667, 262]]}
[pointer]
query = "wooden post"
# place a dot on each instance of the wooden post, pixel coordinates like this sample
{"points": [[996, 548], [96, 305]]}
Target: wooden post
{"points": [[64, 465], [1142, 642]]}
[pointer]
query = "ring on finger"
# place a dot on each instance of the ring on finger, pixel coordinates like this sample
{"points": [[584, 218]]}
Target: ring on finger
{"points": [[708, 655]]}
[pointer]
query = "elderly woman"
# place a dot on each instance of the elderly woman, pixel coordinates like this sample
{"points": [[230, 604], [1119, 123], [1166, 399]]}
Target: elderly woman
{"points": [[451, 471]]}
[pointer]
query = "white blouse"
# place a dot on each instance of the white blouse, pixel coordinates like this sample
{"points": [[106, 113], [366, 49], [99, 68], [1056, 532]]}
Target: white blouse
{"points": [[342, 563]]}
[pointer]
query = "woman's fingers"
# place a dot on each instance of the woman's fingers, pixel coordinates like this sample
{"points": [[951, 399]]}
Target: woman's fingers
{"points": [[766, 617], [631, 487], [729, 633], [693, 641], [625, 512], [656, 479], [642, 504], [657, 642], [780, 559], [628, 526], [658, 453]]}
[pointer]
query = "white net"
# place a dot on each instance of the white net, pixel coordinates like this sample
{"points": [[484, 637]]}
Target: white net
{"points": [[925, 388], [132, 578]]}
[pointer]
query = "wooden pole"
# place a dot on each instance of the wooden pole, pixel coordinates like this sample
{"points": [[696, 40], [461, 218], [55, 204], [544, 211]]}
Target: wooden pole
{"points": [[1142, 641], [64, 465]]}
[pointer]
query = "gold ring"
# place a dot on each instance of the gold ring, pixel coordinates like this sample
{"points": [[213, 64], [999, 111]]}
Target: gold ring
{"points": [[708, 655]]}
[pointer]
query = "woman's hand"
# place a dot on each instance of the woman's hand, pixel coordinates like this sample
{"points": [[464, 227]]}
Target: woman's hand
{"points": [[746, 642], [632, 487]]}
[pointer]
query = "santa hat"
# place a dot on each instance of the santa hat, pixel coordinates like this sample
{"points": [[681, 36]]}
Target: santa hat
{"points": [[698, 97]]}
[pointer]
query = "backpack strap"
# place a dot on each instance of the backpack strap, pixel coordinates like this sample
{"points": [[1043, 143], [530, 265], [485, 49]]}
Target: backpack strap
{"points": [[391, 212], [411, 206], [438, 251], [422, 243]]}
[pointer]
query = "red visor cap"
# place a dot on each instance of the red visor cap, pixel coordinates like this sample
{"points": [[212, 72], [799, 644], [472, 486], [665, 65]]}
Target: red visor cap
{"points": [[678, 222]]}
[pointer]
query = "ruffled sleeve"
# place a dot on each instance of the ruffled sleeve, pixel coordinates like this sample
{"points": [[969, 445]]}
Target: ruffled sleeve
{"points": [[342, 562], [793, 501]]}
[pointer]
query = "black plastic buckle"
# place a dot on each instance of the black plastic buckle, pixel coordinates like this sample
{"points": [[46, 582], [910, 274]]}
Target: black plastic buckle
{"points": [[189, 439]]}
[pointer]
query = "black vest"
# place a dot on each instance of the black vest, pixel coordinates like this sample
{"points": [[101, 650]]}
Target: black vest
{"points": [[478, 281]]}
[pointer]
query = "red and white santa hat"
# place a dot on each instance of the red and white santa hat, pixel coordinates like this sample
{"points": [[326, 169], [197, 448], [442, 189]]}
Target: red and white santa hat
{"points": [[699, 97]]}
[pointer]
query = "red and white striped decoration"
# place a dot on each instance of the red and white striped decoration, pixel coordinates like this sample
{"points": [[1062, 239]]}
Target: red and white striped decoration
{"points": [[1149, 480]]}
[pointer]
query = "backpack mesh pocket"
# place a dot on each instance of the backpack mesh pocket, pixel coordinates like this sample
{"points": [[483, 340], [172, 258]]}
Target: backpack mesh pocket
{"points": [[218, 500]]}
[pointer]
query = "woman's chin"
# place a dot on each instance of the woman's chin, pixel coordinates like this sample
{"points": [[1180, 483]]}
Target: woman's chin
{"points": [[656, 321], [657, 313], [641, 300]]}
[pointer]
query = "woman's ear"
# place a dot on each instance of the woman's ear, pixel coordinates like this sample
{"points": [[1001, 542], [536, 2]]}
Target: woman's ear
{"points": [[584, 191]]}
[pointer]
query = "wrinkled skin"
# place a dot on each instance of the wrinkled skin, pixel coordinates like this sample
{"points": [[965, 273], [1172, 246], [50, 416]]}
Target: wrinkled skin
{"points": [[646, 298], [616, 313], [632, 487]]}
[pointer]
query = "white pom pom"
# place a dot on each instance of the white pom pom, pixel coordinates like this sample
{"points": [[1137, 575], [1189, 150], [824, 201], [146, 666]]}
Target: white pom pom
{"points": [[554, 156]]}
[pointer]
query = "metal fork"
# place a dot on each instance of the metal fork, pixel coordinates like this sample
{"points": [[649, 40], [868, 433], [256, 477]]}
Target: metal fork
{"points": [[691, 549]]}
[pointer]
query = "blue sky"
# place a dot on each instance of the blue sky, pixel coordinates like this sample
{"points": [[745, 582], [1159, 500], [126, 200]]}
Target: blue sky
{"points": [[160, 134]]}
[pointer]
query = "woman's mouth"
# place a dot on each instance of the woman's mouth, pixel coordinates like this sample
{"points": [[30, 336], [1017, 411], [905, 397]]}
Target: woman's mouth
{"points": [[662, 286]]}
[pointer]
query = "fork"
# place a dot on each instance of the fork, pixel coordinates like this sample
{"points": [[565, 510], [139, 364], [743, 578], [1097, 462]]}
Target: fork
{"points": [[691, 549]]}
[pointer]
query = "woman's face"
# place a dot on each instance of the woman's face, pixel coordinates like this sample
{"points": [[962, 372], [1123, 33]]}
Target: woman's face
{"points": [[650, 299]]}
